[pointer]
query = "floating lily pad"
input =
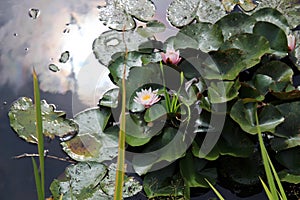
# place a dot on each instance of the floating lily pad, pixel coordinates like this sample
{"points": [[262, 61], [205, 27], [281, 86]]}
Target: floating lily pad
{"points": [[162, 183], [290, 159], [244, 114], [287, 176], [273, 16], [22, 120], [110, 98], [119, 14], [92, 143], [91, 181], [208, 36], [111, 42], [168, 146], [223, 91], [151, 29], [194, 172], [275, 35], [183, 12], [236, 23]]}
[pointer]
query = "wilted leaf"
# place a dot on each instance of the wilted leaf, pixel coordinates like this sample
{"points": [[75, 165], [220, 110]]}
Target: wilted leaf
{"points": [[22, 120], [92, 143]]}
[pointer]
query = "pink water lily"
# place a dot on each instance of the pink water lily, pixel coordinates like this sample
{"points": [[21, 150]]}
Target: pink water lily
{"points": [[147, 97], [171, 56], [291, 42]]}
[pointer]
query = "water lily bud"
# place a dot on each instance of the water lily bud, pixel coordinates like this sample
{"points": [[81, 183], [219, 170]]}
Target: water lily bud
{"points": [[171, 56], [147, 97], [291, 42]]}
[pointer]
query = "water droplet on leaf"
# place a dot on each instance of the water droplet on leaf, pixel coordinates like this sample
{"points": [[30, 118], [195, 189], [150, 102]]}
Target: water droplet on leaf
{"points": [[26, 49], [54, 68], [15, 34], [4, 103], [64, 57], [66, 30], [34, 13]]}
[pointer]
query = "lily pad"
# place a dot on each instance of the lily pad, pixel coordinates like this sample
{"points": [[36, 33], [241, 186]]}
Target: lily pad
{"points": [[92, 143], [290, 159], [91, 181], [208, 36], [111, 42], [168, 146], [275, 35], [119, 14], [223, 91], [289, 177], [110, 98], [183, 12], [194, 172], [244, 114], [22, 120], [236, 23], [165, 182], [273, 16], [152, 27]]}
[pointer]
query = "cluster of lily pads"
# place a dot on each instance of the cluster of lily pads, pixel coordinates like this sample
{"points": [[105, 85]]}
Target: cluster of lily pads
{"points": [[191, 103]]}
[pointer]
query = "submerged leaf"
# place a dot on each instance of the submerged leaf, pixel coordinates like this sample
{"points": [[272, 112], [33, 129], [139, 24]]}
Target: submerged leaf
{"points": [[22, 120]]}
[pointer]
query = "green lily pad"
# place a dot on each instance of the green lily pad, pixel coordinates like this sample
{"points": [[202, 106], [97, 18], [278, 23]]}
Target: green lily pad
{"points": [[139, 132], [290, 127], [183, 12], [273, 16], [155, 112], [223, 91], [233, 141], [119, 14], [289, 177], [236, 23], [91, 180], [277, 70], [261, 83], [92, 143], [290, 159], [168, 146], [230, 167], [194, 172], [110, 98], [165, 182], [226, 64], [254, 46], [111, 42], [275, 35], [244, 114], [208, 36], [152, 27], [22, 120], [250, 93]]}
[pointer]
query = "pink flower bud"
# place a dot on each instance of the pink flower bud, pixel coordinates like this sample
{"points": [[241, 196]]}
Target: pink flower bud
{"points": [[171, 56], [291, 42]]}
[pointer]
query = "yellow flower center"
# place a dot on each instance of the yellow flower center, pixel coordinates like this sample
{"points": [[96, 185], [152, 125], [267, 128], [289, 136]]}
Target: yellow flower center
{"points": [[146, 97]]}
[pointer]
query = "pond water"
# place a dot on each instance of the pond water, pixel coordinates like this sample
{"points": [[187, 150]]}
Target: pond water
{"points": [[35, 34]]}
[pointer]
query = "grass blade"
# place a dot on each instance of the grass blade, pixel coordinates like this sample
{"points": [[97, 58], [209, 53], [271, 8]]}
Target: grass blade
{"points": [[268, 193], [215, 190], [39, 131], [37, 180], [118, 195]]}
